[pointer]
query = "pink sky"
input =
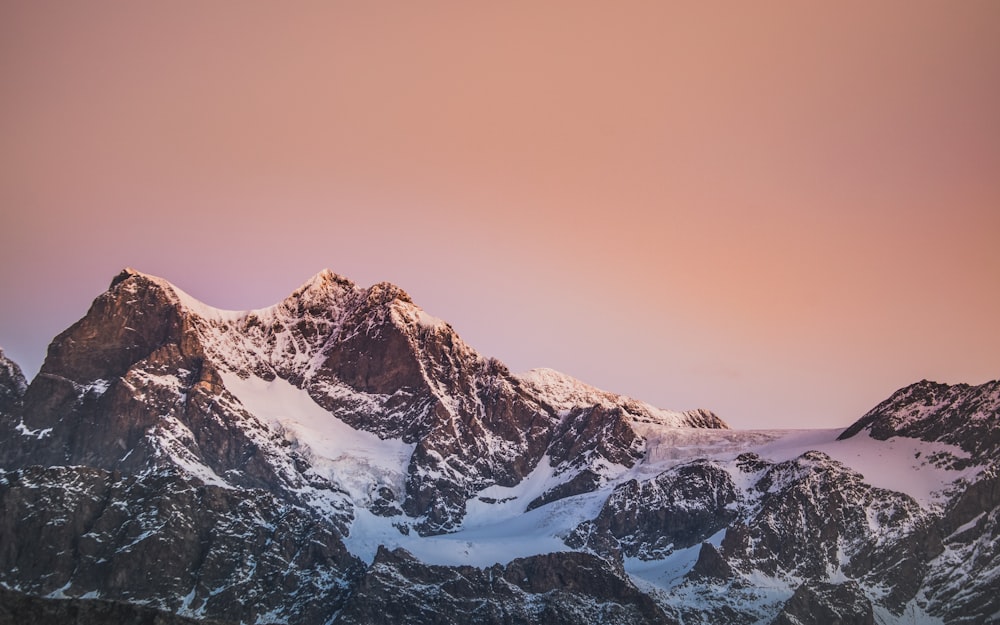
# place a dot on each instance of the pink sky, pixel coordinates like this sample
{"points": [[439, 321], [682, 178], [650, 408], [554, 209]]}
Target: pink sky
{"points": [[779, 211]]}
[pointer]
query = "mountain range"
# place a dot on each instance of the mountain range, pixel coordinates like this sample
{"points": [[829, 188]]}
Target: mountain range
{"points": [[344, 457]]}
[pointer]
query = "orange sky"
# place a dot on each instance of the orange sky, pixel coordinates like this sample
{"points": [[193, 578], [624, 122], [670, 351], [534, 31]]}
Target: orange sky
{"points": [[780, 211]]}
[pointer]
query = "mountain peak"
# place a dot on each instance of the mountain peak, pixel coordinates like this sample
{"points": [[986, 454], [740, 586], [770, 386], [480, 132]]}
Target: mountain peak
{"points": [[959, 414], [128, 273], [325, 280], [386, 292], [564, 392], [132, 281], [12, 383]]}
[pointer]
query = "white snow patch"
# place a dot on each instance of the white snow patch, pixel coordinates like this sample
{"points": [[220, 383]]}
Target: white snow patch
{"points": [[60, 593], [967, 526], [564, 392], [358, 461], [491, 533], [669, 571], [98, 387], [480, 542], [509, 502], [26, 431], [899, 464], [192, 304]]}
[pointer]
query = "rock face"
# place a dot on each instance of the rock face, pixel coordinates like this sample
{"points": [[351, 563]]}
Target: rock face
{"points": [[562, 589], [153, 360], [165, 540], [962, 415], [827, 604], [343, 457], [679, 508], [18, 608], [12, 385]]}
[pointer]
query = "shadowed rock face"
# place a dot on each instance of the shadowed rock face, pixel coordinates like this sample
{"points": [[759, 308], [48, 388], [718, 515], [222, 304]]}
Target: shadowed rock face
{"points": [[827, 604], [18, 609], [12, 385], [559, 588], [679, 508], [170, 542]]}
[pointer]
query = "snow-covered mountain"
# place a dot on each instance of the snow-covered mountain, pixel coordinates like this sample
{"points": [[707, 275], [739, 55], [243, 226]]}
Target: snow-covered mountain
{"points": [[345, 457]]}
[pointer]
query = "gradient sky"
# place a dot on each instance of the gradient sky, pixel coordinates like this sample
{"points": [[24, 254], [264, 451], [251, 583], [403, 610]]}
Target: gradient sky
{"points": [[781, 211]]}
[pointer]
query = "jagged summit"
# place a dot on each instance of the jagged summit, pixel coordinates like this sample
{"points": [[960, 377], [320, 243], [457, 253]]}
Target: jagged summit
{"points": [[343, 457], [960, 414], [325, 281], [326, 288], [12, 383], [565, 392], [10, 372], [368, 359]]}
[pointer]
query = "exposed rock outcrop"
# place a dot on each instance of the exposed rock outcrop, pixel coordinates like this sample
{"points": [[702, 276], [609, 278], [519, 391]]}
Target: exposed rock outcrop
{"points": [[559, 588], [827, 604]]}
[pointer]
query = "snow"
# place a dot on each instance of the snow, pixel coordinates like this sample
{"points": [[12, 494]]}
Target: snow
{"points": [[669, 571], [491, 533], [357, 461], [671, 446], [967, 526], [175, 440], [498, 528], [482, 541], [97, 387], [899, 464], [26, 431], [510, 501], [60, 593], [564, 392]]}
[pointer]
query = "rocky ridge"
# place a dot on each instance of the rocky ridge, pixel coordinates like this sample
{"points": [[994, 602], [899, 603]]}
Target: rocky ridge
{"points": [[342, 456]]}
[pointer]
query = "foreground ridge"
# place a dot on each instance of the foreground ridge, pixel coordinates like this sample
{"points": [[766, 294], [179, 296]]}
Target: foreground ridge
{"points": [[344, 457]]}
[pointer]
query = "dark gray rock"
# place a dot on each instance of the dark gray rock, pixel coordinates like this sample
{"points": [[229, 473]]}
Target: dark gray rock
{"points": [[678, 509], [164, 540], [557, 589], [12, 385], [963, 415], [20, 609], [711, 565], [827, 604]]}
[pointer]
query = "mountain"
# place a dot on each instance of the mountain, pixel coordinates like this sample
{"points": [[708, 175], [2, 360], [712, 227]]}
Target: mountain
{"points": [[344, 457], [12, 385]]}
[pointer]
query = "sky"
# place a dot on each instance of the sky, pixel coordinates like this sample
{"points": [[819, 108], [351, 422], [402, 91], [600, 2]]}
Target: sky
{"points": [[779, 211]]}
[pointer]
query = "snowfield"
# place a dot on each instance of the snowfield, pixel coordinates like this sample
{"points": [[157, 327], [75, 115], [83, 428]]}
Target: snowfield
{"points": [[498, 527]]}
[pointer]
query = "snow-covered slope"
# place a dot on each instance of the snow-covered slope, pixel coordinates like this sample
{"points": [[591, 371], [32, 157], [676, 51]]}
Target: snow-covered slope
{"points": [[564, 393]]}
